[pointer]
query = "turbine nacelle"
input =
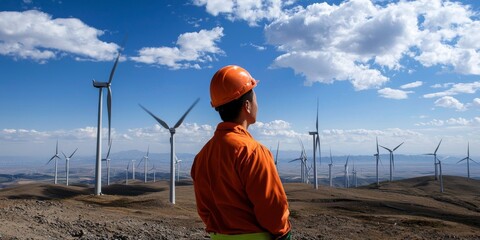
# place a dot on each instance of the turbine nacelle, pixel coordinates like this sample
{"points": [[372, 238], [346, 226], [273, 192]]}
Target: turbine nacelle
{"points": [[101, 84]]}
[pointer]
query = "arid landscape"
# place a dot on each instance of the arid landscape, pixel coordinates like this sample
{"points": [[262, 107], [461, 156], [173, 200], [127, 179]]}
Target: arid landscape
{"points": [[406, 209]]}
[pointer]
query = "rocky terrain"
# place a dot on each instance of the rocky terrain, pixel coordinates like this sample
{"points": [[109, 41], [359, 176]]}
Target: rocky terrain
{"points": [[406, 209]]}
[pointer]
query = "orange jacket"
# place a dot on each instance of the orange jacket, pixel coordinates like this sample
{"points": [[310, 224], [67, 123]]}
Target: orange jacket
{"points": [[237, 188]]}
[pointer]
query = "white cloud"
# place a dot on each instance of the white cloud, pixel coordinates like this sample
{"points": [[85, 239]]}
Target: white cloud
{"points": [[450, 102], [434, 122], [456, 89], [358, 41], [451, 122], [36, 35], [412, 85], [193, 48], [476, 102], [393, 93], [458, 121], [251, 11]]}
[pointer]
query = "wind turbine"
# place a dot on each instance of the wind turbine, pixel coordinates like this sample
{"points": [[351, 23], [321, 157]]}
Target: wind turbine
{"points": [[133, 169], [468, 160], [107, 162], [145, 163], [303, 164], [101, 86], [126, 174], [435, 158], [177, 162], [354, 174], [441, 175], [392, 160], [154, 171], [377, 157], [67, 164], [276, 156], [316, 142], [56, 156], [346, 173], [330, 165], [172, 145]]}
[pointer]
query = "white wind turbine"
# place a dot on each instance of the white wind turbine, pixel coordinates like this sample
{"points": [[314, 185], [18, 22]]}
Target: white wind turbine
{"points": [[101, 86], [172, 145], [107, 162], [392, 160], [145, 163], [56, 157], [67, 164], [316, 143], [154, 171], [330, 165], [177, 163], [126, 173], [303, 164], [377, 158], [346, 173], [133, 169], [354, 174], [468, 160], [435, 159], [441, 175]]}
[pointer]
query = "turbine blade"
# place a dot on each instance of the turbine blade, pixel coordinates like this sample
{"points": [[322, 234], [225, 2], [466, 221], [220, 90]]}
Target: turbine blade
{"points": [[109, 147], [113, 69], [50, 160], [378, 151], [397, 146], [64, 154], [148, 150], [156, 118], [109, 109], [438, 146], [185, 114], [73, 153], [462, 160], [276, 155], [56, 151], [386, 148]]}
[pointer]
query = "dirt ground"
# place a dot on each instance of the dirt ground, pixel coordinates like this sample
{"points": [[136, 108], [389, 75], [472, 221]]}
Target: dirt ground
{"points": [[407, 209]]}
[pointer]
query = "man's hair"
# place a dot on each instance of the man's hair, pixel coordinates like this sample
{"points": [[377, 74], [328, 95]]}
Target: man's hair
{"points": [[230, 111]]}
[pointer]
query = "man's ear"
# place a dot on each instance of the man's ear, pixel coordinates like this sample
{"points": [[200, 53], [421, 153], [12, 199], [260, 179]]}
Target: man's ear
{"points": [[247, 106]]}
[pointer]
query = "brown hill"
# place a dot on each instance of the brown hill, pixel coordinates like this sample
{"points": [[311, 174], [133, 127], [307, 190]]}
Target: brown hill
{"points": [[407, 209]]}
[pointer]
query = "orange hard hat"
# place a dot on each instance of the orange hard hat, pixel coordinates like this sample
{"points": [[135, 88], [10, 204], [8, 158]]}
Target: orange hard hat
{"points": [[230, 83]]}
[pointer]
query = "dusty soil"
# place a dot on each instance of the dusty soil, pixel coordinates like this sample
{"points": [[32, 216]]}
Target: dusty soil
{"points": [[407, 209]]}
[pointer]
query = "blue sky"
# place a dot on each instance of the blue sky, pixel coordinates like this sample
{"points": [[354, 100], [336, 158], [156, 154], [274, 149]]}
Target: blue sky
{"points": [[400, 71]]}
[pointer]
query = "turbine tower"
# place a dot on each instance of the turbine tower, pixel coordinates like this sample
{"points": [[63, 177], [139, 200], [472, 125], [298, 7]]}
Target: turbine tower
{"points": [[172, 145], [101, 86], [56, 157], [354, 175], [126, 174], [441, 175], [316, 142], [303, 164], [107, 162], [435, 159], [145, 163], [392, 160], [133, 169], [346, 173], [67, 164], [377, 157], [330, 165], [468, 160], [154, 171]]}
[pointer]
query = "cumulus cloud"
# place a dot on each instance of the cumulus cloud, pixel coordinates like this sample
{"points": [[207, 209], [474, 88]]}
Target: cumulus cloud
{"points": [[36, 35], [251, 11], [412, 85], [393, 93], [476, 102], [455, 89], [450, 122], [450, 102], [359, 41], [193, 48]]}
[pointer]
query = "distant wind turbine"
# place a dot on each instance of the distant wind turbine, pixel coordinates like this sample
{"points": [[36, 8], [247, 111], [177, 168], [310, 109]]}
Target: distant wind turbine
{"points": [[101, 86], [441, 175], [172, 145], [67, 164], [133, 169], [276, 156], [468, 160], [316, 143], [177, 163], [392, 160], [126, 173], [330, 165], [154, 171], [107, 162], [56, 157], [346, 173], [354, 174], [303, 164], [435, 159], [377, 157], [145, 163]]}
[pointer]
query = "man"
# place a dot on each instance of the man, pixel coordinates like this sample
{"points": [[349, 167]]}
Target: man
{"points": [[238, 192]]}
